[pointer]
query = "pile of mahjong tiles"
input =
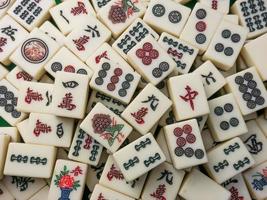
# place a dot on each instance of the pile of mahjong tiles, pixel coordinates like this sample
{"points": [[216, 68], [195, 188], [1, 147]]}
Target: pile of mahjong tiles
{"points": [[133, 100]]}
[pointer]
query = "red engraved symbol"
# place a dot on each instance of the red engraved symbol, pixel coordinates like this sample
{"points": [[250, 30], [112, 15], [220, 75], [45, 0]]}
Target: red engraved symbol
{"points": [[101, 197], [102, 55], [77, 171], [32, 96], [214, 4], [114, 173], [79, 9], [159, 193], [24, 75], [147, 53], [175, 53], [88, 142], [41, 128], [201, 26], [235, 194], [69, 68], [114, 79], [190, 137], [190, 96], [139, 115], [67, 102], [81, 42], [3, 42]]}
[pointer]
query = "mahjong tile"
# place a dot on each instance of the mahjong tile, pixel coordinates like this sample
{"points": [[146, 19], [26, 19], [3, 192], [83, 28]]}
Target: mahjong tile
{"points": [[101, 192], [69, 15], [4, 193], [48, 28], [197, 185], [23, 187], [253, 54], [113, 179], [151, 60], [219, 5], [252, 15], [65, 60], [34, 52], [12, 132], [237, 186], [4, 6], [18, 77], [167, 16], [181, 52], [71, 95], [84, 148], [146, 109], [228, 159], [161, 140], [98, 4], [41, 195], [106, 127], [35, 97], [188, 96], [248, 90], [8, 103], [68, 180], [231, 18], [255, 141], [201, 26], [4, 142], [11, 35], [185, 144], [256, 181], [211, 77], [136, 32], [163, 182], [226, 45], [32, 158], [30, 13], [85, 39], [3, 71], [117, 15], [139, 157]]}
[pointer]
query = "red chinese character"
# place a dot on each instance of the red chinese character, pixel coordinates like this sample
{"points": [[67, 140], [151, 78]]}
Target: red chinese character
{"points": [[3, 42], [234, 194], [114, 173], [159, 194], [88, 142], [139, 115], [67, 102], [190, 96], [41, 128], [214, 4], [77, 171], [102, 55], [81, 42], [101, 197], [24, 75], [31, 95], [80, 9]]}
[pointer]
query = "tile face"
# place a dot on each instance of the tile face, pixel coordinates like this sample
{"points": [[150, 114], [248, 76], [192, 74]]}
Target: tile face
{"points": [[237, 186], [163, 182], [251, 15], [211, 77], [146, 109], [34, 52], [106, 127], [248, 90], [12, 34], [219, 5], [35, 97], [113, 179], [198, 185], [70, 100], [68, 180], [8, 103], [118, 15], [139, 157], [84, 148], [32, 158], [256, 142], [201, 26], [101, 192], [23, 187], [12, 132], [225, 120], [188, 96], [181, 52], [226, 44], [228, 159], [256, 181], [150, 60], [30, 13], [167, 16], [4, 193], [4, 141], [69, 14], [65, 60], [185, 144], [136, 32]]}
